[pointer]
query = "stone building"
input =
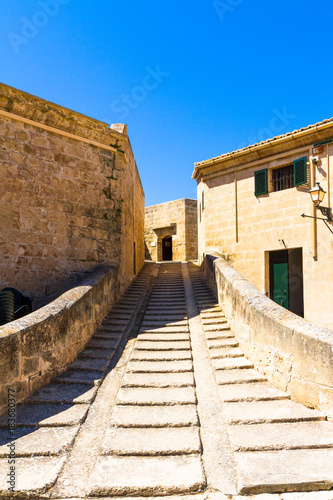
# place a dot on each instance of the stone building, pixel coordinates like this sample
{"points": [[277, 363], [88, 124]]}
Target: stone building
{"points": [[250, 205], [171, 231], [70, 197]]}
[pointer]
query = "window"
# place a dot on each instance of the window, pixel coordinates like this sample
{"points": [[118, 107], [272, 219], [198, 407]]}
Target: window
{"points": [[285, 177]]}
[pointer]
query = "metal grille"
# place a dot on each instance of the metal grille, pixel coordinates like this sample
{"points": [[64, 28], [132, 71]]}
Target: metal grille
{"points": [[283, 177]]}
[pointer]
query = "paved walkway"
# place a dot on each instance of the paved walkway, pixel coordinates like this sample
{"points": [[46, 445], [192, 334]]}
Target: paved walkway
{"points": [[163, 402]]}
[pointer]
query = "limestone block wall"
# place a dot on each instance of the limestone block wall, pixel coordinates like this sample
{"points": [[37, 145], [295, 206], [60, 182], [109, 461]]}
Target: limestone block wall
{"points": [[233, 221], [38, 347], [70, 197], [178, 219], [294, 354]]}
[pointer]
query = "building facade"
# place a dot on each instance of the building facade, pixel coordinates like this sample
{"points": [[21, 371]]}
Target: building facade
{"points": [[171, 231], [70, 197], [250, 207]]}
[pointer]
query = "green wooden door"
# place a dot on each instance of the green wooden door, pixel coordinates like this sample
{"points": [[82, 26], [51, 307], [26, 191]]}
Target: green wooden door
{"points": [[281, 284]]}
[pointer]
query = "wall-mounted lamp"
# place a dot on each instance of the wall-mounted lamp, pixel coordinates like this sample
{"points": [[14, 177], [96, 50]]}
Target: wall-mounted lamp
{"points": [[317, 195]]}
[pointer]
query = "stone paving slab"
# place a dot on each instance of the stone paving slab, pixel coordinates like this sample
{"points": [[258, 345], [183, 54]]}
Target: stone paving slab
{"points": [[42, 441], [48, 415], [248, 392], [79, 377], [158, 379], [157, 395], [32, 475], [103, 343], [154, 416], [275, 471], [268, 411], [231, 363], [282, 436], [147, 475], [238, 376], [60, 393], [161, 355], [89, 364], [160, 366], [170, 337], [97, 353], [153, 441], [146, 345]]}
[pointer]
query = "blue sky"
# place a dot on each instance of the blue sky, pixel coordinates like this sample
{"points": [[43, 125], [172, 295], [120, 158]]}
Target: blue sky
{"points": [[192, 79]]}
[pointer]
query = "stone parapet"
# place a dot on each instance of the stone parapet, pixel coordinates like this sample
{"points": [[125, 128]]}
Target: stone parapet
{"points": [[294, 354], [39, 346]]}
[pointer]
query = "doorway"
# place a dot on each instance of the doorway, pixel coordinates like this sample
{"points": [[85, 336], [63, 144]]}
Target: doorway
{"points": [[167, 248], [286, 279]]}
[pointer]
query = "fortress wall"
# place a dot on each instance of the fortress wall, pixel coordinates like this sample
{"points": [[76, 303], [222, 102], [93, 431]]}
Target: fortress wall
{"points": [[70, 197], [294, 354], [38, 347]]}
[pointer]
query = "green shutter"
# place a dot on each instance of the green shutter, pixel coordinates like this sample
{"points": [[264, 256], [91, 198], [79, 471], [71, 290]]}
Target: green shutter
{"points": [[300, 176], [260, 182]]}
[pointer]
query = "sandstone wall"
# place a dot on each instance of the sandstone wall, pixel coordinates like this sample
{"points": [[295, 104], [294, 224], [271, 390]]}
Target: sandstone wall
{"points": [[70, 197], [176, 218], [245, 227], [294, 354]]}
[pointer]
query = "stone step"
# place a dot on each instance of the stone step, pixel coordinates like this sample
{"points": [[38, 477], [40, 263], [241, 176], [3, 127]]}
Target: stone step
{"points": [[44, 441], [146, 476], [281, 436], [161, 345], [98, 343], [157, 396], [231, 363], [161, 337], [79, 377], [219, 335], [158, 379], [46, 415], [222, 343], [214, 321], [161, 355], [215, 328], [151, 441], [154, 416], [268, 411], [96, 353], [64, 393], [238, 376], [226, 352], [166, 329], [287, 470], [160, 366], [259, 391], [95, 365], [147, 324]]}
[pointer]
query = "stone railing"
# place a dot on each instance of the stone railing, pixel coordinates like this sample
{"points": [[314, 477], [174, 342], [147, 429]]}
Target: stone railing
{"points": [[37, 347], [294, 354]]}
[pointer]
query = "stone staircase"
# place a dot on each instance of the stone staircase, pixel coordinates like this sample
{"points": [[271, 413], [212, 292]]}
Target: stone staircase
{"points": [[163, 402]]}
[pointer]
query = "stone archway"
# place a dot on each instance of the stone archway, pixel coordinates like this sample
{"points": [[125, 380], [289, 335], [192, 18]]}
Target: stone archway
{"points": [[167, 248]]}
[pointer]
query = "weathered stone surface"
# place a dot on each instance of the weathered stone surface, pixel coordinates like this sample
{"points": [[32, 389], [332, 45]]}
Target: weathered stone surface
{"points": [[97, 353], [79, 377], [44, 441], [282, 436], [60, 393], [160, 366], [182, 379], [287, 470], [226, 352], [160, 345], [231, 363], [157, 337], [248, 392], [157, 396], [47, 415], [238, 376], [146, 475], [156, 416], [89, 364], [268, 411], [33, 475], [161, 355], [154, 441]]}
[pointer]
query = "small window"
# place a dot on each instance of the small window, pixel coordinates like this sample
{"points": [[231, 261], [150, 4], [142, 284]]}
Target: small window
{"points": [[283, 177], [260, 182]]}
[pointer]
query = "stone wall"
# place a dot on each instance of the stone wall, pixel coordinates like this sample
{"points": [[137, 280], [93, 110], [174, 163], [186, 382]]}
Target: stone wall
{"points": [[177, 219], [70, 197], [294, 354], [39, 346], [233, 221]]}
